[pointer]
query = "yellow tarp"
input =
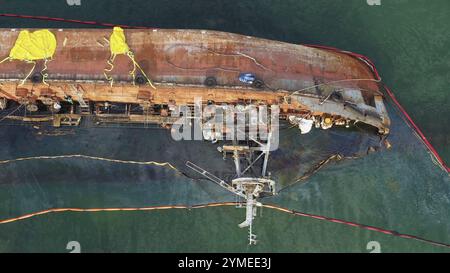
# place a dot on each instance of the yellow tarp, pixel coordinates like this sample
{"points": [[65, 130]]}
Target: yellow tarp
{"points": [[117, 42], [31, 46], [118, 45]]}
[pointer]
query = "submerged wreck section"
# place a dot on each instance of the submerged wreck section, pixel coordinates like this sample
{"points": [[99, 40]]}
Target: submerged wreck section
{"points": [[157, 70]]}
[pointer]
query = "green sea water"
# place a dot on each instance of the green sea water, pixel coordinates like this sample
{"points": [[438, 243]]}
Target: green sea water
{"points": [[399, 189]]}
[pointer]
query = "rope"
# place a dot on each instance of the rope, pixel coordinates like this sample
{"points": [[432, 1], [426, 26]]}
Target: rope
{"points": [[135, 64], [29, 74], [4, 60], [332, 82], [12, 112], [44, 74], [110, 62], [133, 71], [352, 54]]}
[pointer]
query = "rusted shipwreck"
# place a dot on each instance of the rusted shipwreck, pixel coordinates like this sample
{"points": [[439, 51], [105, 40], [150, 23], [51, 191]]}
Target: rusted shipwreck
{"points": [[325, 88]]}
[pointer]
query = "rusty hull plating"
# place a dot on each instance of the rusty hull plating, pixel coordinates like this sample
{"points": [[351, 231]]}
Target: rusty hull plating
{"points": [[304, 81]]}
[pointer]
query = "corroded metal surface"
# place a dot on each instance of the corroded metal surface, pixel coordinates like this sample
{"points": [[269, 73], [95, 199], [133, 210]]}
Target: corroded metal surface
{"points": [[188, 56], [180, 60]]}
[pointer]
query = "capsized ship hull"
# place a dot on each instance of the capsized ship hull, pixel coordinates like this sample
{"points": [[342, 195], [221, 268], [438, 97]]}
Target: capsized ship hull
{"points": [[307, 83]]}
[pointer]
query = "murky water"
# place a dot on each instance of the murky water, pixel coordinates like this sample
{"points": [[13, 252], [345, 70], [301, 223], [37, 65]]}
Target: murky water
{"points": [[399, 189]]}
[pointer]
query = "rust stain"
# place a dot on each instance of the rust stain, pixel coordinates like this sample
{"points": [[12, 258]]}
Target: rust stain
{"points": [[86, 54]]}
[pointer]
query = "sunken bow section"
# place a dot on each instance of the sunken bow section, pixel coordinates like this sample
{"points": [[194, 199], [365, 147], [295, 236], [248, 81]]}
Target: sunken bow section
{"points": [[135, 76]]}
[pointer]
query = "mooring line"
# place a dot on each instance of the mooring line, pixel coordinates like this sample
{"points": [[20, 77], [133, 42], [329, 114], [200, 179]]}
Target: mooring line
{"points": [[222, 204], [10, 113]]}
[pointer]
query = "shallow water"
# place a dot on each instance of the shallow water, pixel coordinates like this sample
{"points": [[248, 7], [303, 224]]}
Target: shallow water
{"points": [[399, 189]]}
